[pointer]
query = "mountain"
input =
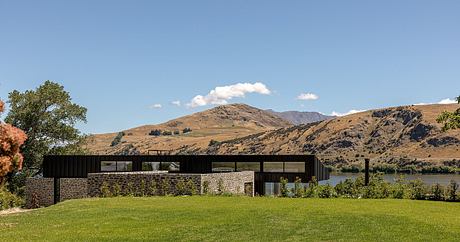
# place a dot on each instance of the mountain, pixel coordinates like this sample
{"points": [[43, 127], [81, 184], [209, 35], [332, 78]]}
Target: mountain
{"points": [[406, 136], [296, 117], [219, 123]]}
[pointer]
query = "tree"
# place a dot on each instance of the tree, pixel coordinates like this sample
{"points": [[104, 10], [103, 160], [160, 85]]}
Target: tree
{"points": [[451, 120], [48, 117], [11, 139]]}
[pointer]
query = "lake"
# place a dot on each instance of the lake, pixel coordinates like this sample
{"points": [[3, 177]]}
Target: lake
{"points": [[429, 179]]}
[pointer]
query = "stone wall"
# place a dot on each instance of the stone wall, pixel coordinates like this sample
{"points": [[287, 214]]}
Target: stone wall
{"points": [[39, 192], [72, 188], [231, 182], [149, 183], [152, 183]]}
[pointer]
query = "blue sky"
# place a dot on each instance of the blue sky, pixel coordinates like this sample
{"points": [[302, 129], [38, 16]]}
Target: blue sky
{"points": [[120, 59]]}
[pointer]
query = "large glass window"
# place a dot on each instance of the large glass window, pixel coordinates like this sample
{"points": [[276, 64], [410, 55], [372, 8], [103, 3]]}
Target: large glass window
{"points": [[295, 167], [223, 166], [248, 166], [150, 166], [273, 166], [169, 166], [116, 165]]}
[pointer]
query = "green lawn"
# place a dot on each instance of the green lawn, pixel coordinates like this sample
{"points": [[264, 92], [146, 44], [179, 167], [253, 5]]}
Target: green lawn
{"points": [[236, 219]]}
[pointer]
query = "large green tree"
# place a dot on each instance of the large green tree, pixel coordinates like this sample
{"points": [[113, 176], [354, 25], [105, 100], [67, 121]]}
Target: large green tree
{"points": [[451, 120], [48, 117]]}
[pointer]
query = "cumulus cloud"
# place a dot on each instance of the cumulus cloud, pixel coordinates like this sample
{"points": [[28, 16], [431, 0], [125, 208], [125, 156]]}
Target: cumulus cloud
{"points": [[155, 106], [307, 96], [443, 101], [221, 95], [176, 103], [334, 113]]}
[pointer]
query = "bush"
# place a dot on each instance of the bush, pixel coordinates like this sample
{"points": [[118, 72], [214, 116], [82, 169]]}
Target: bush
{"points": [[284, 189], [326, 191], [452, 191], [9, 200], [186, 130], [190, 188], [155, 132], [311, 190], [164, 186], [117, 138], [205, 187], [417, 190], [180, 187], [298, 190], [153, 188], [105, 190], [398, 189], [176, 132], [213, 142], [437, 192], [166, 133]]}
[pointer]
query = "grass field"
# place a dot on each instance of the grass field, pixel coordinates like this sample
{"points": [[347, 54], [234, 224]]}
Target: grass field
{"points": [[236, 219]]}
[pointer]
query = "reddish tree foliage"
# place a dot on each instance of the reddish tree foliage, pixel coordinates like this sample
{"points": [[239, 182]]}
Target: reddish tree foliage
{"points": [[11, 139]]}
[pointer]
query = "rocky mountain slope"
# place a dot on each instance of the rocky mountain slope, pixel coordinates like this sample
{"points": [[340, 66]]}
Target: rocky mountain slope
{"points": [[219, 123], [400, 136], [297, 118]]}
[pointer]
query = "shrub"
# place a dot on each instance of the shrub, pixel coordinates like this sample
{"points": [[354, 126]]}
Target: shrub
{"points": [[298, 190], [205, 187], [437, 192], [311, 190], [284, 188], [398, 189], [186, 130], [166, 133], [377, 187], [180, 187], [417, 190], [8, 199], [155, 132], [326, 191], [116, 190], [452, 191], [164, 186], [142, 188], [117, 138], [190, 188], [130, 189], [213, 142], [105, 190], [153, 188]]}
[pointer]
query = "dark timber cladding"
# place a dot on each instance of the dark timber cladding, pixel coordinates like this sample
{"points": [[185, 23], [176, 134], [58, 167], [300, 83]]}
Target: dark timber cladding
{"points": [[78, 166]]}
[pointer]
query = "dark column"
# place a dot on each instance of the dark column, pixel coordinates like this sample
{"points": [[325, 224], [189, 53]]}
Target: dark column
{"points": [[366, 171], [57, 190]]}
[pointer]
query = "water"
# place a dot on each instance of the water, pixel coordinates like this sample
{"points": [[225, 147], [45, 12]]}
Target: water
{"points": [[428, 179]]}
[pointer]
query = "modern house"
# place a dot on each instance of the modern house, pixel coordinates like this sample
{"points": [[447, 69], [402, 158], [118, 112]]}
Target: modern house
{"points": [[258, 173]]}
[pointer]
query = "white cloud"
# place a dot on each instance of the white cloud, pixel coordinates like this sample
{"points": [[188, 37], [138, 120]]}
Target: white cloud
{"points": [[443, 101], [155, 106], [307, 96], [220, 95], [176, 103], [334, 113]]}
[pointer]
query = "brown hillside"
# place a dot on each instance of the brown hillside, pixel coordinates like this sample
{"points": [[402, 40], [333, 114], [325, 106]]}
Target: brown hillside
{"points": [[219, 123], [391, 135]]}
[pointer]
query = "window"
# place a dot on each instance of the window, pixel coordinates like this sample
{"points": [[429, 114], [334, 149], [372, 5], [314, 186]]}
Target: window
{"points": [[295, 167], [248, 166], [150, 166], [116, 165], [169, 166], [273, 166], [288, 167], [223, 166]]}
